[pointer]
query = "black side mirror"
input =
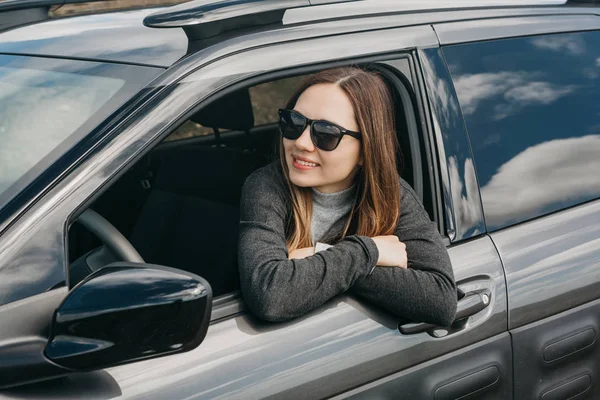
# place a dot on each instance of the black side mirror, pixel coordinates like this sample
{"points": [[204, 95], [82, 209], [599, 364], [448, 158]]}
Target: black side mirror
{"points": [[127, 312]]}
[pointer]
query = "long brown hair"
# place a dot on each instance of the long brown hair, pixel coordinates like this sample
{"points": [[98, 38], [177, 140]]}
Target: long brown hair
{"points": [[377, 204]]}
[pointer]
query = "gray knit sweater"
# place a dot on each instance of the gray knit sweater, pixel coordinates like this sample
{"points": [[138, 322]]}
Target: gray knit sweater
{"points": [[276, 288]]}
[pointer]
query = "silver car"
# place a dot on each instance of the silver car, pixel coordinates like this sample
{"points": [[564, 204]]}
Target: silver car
{"points": [[127, 135]]}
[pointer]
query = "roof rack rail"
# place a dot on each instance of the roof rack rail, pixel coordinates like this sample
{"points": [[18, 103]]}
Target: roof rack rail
{"points": [[201, 19], [20, 12]]}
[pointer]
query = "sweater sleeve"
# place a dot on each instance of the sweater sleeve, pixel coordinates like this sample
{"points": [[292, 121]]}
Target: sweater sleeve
{"points": [[274, 287], [425, 291]]}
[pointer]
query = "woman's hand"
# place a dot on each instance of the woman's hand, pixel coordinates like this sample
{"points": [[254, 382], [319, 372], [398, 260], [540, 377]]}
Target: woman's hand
{"points": [[392, 252], [302, 253]]}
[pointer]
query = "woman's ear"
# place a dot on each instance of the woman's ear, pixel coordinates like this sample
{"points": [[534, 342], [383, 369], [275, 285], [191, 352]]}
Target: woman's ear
{"points": [[361, 159]]}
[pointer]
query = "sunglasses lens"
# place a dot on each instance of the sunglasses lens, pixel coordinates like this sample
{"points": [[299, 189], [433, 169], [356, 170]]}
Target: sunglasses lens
{"points": [[326, 136], [291, 124]]}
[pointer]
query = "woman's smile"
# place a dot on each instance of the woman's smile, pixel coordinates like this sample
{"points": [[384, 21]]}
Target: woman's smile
{"points": [[303, 164]]}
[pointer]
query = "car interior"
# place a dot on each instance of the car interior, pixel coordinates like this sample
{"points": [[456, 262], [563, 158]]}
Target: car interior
{"points": [[179, 204]]}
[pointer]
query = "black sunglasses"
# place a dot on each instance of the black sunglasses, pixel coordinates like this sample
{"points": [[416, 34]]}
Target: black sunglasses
{"points": [[324, 134]]}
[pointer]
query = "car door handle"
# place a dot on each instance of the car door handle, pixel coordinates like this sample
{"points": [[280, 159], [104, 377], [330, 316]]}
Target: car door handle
{"points": [[469, 305]]}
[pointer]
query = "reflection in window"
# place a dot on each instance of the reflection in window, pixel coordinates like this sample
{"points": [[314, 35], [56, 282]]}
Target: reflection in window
{"points": [[532, 110], [39, 110]]}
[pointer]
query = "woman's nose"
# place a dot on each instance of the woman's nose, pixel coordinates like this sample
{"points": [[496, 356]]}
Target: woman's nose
{"points": [[304, 142]]}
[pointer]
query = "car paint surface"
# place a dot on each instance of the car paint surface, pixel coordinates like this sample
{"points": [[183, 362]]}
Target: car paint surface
{"points": [[552, 264], [114, 37]]}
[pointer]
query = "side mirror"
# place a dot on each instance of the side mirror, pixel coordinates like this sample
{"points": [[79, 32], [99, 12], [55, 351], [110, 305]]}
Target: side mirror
{"points": [[126, 312]]}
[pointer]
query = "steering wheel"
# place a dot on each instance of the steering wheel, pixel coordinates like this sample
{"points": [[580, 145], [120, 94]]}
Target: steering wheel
{"points": [[109, 236], [115, 247]]}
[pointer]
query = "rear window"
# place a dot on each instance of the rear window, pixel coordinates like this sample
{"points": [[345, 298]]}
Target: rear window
{"points": [[532, 110], [47, 105]]}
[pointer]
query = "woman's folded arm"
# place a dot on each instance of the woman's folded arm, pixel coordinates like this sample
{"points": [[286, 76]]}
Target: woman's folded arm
{"points": [[425, 291], [274, 287]]}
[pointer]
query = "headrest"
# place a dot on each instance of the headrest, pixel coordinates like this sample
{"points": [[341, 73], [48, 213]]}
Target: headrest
{"points": [[233, 111]]}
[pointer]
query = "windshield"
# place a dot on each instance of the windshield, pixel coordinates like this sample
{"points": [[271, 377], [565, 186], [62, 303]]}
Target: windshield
{"points": [[47, 105]]}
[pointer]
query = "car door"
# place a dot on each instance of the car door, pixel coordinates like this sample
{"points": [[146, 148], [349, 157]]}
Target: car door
{"points": [[531, 108], [347, 344]]}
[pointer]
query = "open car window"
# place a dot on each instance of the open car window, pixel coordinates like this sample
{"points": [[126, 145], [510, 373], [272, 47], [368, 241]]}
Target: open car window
{"points": [[265, 98]]}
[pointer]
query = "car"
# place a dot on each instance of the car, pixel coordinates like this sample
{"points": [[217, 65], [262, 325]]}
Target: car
{"points": [[128, 134]]}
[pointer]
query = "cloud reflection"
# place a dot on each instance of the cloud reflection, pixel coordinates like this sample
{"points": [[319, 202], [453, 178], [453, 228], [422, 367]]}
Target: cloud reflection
{"points": [[541, 177], [442, 97], [532, 93], [572, 44], [518, 89], [465, 208]]}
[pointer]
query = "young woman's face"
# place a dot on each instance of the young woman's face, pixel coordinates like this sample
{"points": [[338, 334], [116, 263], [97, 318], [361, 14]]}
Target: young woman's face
{"points": [[334, 170]]}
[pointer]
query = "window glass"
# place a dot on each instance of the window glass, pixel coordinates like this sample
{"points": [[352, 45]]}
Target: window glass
{"points": [[532, 110], [46, 103]]}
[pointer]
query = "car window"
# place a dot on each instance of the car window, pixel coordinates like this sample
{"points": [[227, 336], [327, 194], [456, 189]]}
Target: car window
{"points": [[265, 98], [531, 106], [46, 104]]}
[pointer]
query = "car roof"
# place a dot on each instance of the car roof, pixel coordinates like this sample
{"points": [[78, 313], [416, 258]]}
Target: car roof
{"points": [[114, 36], [122, 37]]}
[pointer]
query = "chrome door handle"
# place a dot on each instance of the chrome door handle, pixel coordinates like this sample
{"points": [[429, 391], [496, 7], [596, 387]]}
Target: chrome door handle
{"points": [[469, 305]]}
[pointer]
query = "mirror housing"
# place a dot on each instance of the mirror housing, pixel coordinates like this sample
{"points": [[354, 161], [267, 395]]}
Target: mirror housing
{"points": [[127, 312]]}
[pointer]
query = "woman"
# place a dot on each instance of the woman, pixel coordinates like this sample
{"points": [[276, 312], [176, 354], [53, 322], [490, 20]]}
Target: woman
{"points": [[332, 215]]}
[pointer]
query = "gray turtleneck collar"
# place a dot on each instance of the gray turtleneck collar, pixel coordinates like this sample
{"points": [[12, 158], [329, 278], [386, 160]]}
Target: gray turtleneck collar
{"points": [[328, 208]]}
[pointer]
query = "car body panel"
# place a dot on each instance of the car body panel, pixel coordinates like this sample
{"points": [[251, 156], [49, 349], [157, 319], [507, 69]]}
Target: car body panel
{"points": [[464, 32], [116, 37], [432, 9], [552, 263], [558, 355], [484, 369]]}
